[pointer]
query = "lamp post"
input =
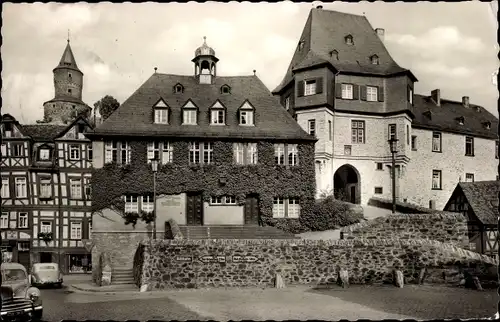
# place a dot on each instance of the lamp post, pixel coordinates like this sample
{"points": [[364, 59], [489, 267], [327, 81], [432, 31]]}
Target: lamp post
{"points": [[393, 144], [154, 167]]}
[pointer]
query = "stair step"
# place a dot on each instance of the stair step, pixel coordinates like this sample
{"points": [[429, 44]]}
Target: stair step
{"points": [[128, 278], [122, 282]]}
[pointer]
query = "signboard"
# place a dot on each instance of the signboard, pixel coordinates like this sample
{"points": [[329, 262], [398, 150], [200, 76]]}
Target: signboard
{"points": [[184, 258], [245, 259], [222, 259], [212, 259]]}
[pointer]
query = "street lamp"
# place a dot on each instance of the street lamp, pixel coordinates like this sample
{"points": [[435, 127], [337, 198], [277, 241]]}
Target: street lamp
{"points": [[154, 167], [393, 144]]}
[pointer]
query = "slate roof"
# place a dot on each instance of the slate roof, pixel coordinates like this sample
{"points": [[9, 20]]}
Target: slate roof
{"points": [[135, 116], [66, 98], [482, 196], [68, 59], [444, 117], [325, 31], [43, 132]]}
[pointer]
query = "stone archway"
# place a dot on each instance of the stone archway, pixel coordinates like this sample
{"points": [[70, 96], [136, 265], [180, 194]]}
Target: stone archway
{"points": [[346, 184]]}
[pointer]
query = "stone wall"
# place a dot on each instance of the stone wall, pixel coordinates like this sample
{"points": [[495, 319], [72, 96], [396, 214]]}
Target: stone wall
{"points": [[403, 207], [227, 263], [442, 226]]}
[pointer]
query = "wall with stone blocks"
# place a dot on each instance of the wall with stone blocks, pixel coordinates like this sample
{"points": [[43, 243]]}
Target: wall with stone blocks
{"points": [[240, 263], [439, 226]]}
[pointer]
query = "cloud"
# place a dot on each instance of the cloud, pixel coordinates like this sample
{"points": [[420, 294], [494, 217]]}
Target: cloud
{"points": [[439, 40], [441, 69]]}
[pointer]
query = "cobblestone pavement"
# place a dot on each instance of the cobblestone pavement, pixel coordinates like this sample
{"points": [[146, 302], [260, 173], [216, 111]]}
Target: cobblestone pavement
{"points": [[59, 304], [421, 301]]}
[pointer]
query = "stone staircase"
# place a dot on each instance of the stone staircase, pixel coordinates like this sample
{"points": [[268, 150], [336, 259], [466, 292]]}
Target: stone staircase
{"points": [[122, 276], [234, 232]]}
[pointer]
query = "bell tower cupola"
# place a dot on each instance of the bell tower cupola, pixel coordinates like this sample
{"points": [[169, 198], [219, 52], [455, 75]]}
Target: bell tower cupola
{"points": [[205, 63]]}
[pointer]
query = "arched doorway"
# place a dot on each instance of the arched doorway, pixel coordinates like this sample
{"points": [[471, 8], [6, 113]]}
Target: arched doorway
{"points": [[346, 184]]}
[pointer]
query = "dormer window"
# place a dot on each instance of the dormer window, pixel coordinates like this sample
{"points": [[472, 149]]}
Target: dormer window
{"points": [[218, 117], [487, 125], [161, 112], [374, 59], [69, 90], [334, 54], [225, 89], [246, 113], [189, 114], [178, 88], [349, 40], [301, 45], [44, 154], [460, 120], [428, 114]]}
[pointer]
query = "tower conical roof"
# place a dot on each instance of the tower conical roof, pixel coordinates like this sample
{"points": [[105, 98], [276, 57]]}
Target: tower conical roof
{"points": [[68, 59]]}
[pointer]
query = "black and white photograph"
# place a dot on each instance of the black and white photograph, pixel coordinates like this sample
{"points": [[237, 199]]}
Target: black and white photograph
{"points": [[249, 161]]}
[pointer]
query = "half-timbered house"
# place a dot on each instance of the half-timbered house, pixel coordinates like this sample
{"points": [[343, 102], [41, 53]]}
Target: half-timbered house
{"points": [[478, 201], [45, 169]]}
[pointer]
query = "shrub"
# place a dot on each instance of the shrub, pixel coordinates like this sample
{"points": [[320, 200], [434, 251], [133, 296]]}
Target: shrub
{"points": [[329, 213]]}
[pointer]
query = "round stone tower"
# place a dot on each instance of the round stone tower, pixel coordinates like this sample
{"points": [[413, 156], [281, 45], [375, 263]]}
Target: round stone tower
{"points": [[67, 103]]}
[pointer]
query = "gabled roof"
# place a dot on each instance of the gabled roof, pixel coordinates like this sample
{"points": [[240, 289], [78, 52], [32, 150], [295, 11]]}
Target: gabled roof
{"points": [[443, 117], [325, 30], [67, 98], [78, 119], [68, 59], [482, 197], [43, 132], [134, 116]]}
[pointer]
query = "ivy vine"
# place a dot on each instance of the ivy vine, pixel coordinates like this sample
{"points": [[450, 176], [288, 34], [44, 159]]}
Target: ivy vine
{"points": [[222, 177], [45, 236]]}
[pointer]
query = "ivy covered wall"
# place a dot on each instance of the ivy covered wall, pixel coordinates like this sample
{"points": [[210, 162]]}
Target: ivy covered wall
{"points": [[267, 179]]}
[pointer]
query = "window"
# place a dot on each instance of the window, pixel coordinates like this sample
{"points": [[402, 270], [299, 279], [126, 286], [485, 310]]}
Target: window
{"points": [[330, 130], [118, 152], [357, 132], [347, 91], [436, 179], [378, 190], [90, 228], [161, 116], [44, 155], [87, 188], [45, 188], [371, 93], [410, 95], [74, 152], [334, 54], [90, 155], [131, 204], [125, 153], [223, 200], [301, 45], [286, 208], [436, 142], [374, 59], [69, 75], [22, 220], [147, 203], [178, 88], [167, 154], [217, 116], [76, 230], [69, 90], [4, 220], [154, 149], [469, 177], [75, 188], [496, 149], [392, 132], [347, 149], [380, 166], [311, 127], [45, 227], [349, 40], [279, 153], [4, 150], [414, 142], [246, 117], [309, 87], [293, 154], [5, 188], [225, 89], [245, 153], [189, 117], [287, 102], [17, 149], [197, 149], [21, 188], [469, 146]]}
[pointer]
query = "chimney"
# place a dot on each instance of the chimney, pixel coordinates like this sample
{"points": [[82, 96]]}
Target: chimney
{"points": [[380, 33], [465, 101], [436, 97]]}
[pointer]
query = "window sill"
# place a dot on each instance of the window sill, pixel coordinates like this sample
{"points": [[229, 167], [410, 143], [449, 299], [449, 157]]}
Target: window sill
{"points": [[45, 198], [79, 159], [437, 151], [414, 149], [217, 124], [437, 189], [247, 124], [306, 95], [223, 204], [161, 123], [76, 199], [379, 169], [469, 155], [188, 124]]}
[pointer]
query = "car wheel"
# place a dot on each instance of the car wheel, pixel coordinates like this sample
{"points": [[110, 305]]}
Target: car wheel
{"points": [[58, 285], [37, 316]]}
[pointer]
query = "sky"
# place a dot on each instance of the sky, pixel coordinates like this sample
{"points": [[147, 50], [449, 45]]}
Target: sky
{"points": [[450, 46]]}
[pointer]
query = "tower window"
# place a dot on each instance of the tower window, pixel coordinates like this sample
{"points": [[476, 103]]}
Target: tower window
{"points": [[178, 88], [225, 89], [334, 54], [74, 106], [69, 75], [349, 40], [69, 90], [374, 60], [301, 45]]}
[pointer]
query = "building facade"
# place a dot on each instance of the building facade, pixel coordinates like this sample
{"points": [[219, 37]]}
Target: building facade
{"points": [[345, 89], [45, 170], [228, 155]]}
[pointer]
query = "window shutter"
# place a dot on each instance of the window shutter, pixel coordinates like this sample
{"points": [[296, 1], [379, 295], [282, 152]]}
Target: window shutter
{"points": [[362, 91], [319, 85], [355, 92], [338, 90], [300, 88], [380, 93]]}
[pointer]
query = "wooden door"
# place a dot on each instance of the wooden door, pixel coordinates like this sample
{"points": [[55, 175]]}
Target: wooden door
{"points": [[352, 195], [23, 258], [194, 209], [252, 212]]}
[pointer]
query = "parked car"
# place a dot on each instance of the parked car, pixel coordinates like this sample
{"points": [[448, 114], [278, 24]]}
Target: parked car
{"points": [[46, 274], [20, 300]]}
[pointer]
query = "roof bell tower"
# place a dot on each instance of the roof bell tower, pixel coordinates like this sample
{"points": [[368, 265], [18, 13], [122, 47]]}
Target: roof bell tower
{"points": [[205, 63], [68, 78]]}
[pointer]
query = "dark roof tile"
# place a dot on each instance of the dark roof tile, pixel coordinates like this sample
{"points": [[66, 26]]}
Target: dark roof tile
{"points": [[44, 132], [483, 199], [135, 115]]}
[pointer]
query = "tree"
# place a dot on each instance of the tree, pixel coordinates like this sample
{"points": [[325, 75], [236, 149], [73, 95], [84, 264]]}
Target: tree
{"points": [[106, 106]]}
